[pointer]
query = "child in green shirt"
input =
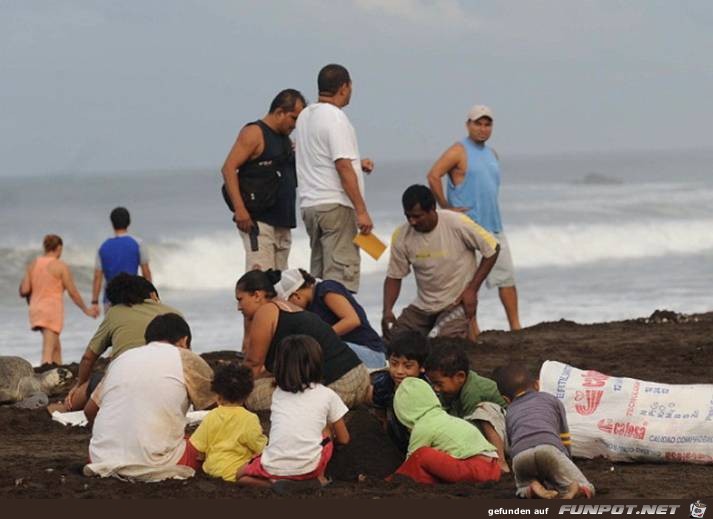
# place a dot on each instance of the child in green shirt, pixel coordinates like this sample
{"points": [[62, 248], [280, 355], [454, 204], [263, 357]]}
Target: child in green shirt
{"points": [[442, 448], [466, 394]]}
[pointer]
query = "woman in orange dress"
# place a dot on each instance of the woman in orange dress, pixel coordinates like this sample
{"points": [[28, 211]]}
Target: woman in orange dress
{"points": [[45, 281]]}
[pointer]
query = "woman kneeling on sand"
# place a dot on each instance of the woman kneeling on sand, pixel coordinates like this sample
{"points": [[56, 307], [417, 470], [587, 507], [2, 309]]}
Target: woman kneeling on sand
{"points": [[269, 320]]}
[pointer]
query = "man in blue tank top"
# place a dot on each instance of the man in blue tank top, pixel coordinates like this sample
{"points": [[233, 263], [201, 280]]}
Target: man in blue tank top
{"points": [[473, 186], [122, 253]]}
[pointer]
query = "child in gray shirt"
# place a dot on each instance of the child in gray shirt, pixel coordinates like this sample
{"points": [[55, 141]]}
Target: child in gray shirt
{"points": [[539, 439]]}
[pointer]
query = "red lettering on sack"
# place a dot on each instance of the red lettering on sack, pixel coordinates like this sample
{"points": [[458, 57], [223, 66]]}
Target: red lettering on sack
{"points": [[591, 399], [625, 429], [594, 379], [688, 457], [634, 397]]}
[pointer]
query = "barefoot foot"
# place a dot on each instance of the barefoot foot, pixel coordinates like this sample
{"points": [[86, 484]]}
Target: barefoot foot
{"points": [[537, 490], [572, 491]]}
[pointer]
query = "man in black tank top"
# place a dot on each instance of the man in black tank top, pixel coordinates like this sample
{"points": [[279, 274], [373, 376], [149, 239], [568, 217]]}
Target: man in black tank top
{"points": [[263, 202]]}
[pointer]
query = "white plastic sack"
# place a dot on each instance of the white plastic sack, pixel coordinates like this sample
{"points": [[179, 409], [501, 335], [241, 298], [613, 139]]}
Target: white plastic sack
{"points": [[625, 419]]}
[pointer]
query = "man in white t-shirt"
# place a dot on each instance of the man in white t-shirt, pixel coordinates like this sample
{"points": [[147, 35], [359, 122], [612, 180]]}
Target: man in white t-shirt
{"points": [[441, 248], [330, 179], [139, 408]]}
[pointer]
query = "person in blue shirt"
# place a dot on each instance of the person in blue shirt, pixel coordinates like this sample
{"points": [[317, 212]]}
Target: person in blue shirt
{"points": [[121, 254], [473, 186], [336, 306]]}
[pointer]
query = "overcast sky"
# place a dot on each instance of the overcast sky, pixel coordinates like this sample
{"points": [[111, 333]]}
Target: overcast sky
{"points": [[132, 85]]}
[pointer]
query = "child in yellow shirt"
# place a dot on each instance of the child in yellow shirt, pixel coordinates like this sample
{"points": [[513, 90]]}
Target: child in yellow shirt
{"points": [[230, 435]]}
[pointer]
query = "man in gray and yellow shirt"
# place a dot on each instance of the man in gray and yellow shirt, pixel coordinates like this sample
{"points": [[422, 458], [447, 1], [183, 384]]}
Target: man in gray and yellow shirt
{"points": [[441, 248]]}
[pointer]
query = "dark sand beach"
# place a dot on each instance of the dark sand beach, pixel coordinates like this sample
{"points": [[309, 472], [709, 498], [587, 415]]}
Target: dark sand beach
{"points": [[41, 458]]}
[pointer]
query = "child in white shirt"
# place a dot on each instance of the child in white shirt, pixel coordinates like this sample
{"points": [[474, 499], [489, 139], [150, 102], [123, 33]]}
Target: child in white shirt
{"points": [[306, 418]]}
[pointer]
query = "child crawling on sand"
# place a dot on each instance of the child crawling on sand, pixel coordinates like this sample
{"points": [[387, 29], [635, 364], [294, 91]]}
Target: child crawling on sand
{"points": [[539, 439], [442, 448], [229, 435], [306, 418]]}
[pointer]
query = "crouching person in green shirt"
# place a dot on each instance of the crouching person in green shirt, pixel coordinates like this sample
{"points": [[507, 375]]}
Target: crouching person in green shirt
{"points": [[442, 448], [134, 304], [466, 394]]}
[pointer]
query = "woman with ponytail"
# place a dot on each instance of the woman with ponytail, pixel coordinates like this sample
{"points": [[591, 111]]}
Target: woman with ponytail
{"points": [[268, 320]]}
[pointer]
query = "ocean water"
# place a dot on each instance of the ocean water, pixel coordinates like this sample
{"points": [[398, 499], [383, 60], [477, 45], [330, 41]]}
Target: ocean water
{"points": [[594, 238]]}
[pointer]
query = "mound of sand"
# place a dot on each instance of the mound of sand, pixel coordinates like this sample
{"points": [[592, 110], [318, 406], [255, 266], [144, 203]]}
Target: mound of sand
{"points": [[41, 458]]}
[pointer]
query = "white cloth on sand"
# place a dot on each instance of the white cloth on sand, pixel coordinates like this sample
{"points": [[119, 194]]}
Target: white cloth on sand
{"points": [[77, 418], [74, 418]]}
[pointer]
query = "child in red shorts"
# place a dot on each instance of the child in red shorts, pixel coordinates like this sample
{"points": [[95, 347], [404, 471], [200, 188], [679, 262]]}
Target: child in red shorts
{"points": [[442, 448], [306, 418]]}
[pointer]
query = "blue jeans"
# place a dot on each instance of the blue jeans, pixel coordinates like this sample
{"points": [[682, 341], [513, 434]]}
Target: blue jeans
{"points": [[371, 359]]}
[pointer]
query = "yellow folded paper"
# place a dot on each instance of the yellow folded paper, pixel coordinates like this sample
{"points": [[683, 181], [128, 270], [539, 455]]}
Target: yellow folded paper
{"points": [[371, 244]]}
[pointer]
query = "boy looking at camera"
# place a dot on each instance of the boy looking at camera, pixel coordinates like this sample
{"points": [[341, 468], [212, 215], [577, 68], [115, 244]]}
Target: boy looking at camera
{"points": [[406, 354]]}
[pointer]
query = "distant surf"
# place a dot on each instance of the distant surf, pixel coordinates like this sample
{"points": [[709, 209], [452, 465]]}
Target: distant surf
{"points": [[215, 261]]}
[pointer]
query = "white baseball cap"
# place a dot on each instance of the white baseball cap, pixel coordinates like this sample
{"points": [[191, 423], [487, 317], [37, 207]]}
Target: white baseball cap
{"points": [[290, 282], [478, 111]]}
